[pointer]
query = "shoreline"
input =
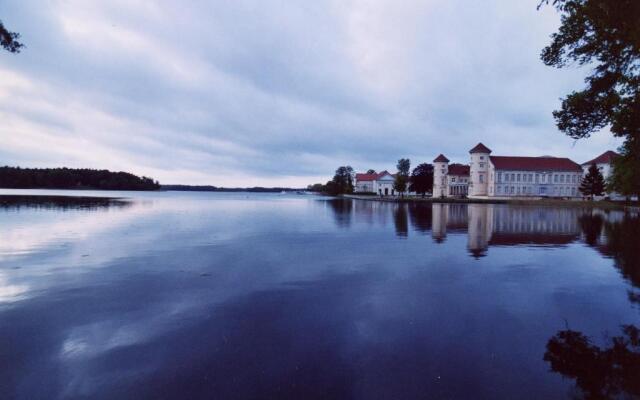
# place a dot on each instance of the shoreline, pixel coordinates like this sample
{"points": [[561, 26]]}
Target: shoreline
{"points": [[607, 205]]}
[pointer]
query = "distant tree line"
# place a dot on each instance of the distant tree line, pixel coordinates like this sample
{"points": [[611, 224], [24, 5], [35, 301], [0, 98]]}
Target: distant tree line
{"points": [[209, 188], [68, 178]]}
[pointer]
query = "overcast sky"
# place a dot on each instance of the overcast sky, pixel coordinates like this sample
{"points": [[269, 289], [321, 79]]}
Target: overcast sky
{"points": [[243, 93]]}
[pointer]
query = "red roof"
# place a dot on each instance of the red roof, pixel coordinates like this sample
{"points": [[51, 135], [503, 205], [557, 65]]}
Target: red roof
{"points": [[441, 158], [604, 158], [459, 169], [534, 163], [480, 148], [371, 177], [366, 177]]}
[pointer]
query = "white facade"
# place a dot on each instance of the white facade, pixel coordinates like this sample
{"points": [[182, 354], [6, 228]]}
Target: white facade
{"points": [[381, 184], [440, 172]]}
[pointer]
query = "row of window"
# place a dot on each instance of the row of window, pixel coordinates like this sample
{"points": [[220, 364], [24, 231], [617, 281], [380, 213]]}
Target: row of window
{"points": [[538, 178], [542, 190]]}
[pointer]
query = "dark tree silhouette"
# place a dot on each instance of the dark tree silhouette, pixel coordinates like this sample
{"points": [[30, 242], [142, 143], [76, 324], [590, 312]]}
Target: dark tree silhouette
{"points": [[625, 178], [593, 183], [402, 177], [342, 182], [9, 40], [371, 171], [605, 34], [599, 373], [67, 178], [422, 179]]}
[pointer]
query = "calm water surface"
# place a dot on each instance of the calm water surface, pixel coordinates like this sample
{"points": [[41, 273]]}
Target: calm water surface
{"points": [[265, 296]]}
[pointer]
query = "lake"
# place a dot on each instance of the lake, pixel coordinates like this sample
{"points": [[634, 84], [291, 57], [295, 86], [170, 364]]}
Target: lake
{"points": [[178, 295]]}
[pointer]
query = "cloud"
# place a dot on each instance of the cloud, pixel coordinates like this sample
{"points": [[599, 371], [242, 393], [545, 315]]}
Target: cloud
{"points": [[270, 93]]}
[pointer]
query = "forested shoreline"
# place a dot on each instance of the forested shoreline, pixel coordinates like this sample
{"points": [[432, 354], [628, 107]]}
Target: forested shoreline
{"points": [[71, 178]]}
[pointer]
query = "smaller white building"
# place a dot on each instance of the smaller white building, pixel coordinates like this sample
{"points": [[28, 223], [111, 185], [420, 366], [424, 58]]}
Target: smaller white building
{"points": [[380, 183], [604, 163]]}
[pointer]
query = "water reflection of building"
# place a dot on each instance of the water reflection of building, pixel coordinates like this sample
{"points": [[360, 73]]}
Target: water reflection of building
{"points": [[496, 225], [448, 218]]}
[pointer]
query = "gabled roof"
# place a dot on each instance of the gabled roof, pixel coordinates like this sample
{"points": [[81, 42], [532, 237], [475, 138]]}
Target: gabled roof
{"points": [[605, 158], [371, 177], [480, 148], [534, 163], [366, 177], [441, 158], [459, 170]]}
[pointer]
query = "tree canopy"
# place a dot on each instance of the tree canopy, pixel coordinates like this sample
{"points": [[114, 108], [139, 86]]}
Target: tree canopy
{"points": [[606, 35], [402, 177], [422, 179], [625, 178], [593, 183], [68, 178], [9, 40], [342, 182]]}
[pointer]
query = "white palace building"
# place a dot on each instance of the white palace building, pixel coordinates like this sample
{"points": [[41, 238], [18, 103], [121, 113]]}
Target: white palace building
{"points": [[507, 176]]}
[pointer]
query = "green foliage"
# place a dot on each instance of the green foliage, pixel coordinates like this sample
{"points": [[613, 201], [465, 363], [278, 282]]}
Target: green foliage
{"points": [[9, 40], [67, 178], [316, 187], [593, 183], [402, 177], [342, 182], [606, 35], [404, 165], [421, 180], [625, 177], [400, 183]]}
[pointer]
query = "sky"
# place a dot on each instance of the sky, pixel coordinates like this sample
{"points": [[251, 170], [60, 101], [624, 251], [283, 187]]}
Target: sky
{"points": [[279, 93]]}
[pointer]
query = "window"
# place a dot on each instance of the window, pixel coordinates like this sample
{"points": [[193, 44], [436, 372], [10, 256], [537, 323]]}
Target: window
{"points": [[537, 178], [453, 179], [499, 177], [573, 179], [481, 165], [482, 158], [561, 178], [555, 178], [518, 177], [481, 177], [573, 190], [506, 177], [530, 177], [498, 190], [512, 189]]}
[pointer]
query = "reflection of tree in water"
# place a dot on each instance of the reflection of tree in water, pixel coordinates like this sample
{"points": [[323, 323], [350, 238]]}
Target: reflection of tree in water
{"points": [[613, 370], [591, 225], [421, 215], [620, 242], [607, 372], [342, 211], [401, 220], [61, 203]]}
